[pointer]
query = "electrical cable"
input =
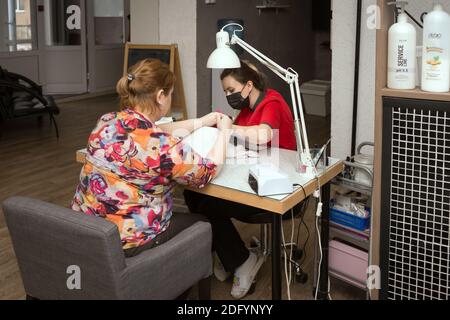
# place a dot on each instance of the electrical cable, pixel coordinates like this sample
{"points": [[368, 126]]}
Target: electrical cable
{"points": [[329, 289], [356, 75], [292, 240], [299, 185], [318, 195], [414, 19], [302, 215], [303, 209], [320, 248], [285, 265], [288, 278], [320, 259], [306, 242], [422, 16], [302, 221], [318, 215], [396, 11]]}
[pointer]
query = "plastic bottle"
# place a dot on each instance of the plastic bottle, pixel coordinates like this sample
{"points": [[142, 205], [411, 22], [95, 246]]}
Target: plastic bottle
{"points": [[402, 52], [436, 51]]}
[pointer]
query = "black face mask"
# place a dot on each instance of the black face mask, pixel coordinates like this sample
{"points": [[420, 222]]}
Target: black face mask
{"points": [[237, 101]]}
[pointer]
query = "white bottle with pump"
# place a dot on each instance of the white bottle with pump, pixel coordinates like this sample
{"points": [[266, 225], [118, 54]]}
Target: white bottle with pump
{"points": [[436, 51], [402, 59]]}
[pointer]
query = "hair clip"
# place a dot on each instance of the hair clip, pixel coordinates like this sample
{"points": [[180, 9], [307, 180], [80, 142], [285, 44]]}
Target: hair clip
{"points": [[131, 77]]}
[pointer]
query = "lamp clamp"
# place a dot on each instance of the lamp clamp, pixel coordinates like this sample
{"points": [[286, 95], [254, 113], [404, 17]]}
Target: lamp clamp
{"points": [[291, 76]]}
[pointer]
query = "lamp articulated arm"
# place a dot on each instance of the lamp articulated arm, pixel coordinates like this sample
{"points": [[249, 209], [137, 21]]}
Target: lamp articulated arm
{"points": [[291, 78]]}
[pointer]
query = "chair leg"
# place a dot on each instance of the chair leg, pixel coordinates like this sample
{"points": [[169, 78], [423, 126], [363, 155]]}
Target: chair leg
{"points": [[204, 289], [55, 125]]}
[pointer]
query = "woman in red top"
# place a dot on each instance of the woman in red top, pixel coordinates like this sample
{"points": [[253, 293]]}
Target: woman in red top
{"points": [[264, 119], [264, 116]]}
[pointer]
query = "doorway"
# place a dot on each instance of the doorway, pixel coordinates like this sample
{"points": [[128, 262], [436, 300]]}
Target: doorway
{"points": [[108, 23], [88, 53], [62, 23], [84, 44], [70, 47]]}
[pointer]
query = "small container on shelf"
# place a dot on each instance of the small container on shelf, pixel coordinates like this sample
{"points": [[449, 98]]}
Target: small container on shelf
{"points": [[349, 220], [349, 263], [350, 209]]}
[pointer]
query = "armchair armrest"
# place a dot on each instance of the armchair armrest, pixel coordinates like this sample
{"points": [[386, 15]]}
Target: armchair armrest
{"points": [[167, 271]]}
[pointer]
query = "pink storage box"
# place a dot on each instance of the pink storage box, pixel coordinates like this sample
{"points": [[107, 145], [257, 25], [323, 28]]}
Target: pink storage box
{"points": [[348, 262]]}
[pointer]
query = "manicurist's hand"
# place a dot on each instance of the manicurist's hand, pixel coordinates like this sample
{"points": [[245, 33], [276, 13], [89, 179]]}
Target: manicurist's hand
{"points": [[224, 123], [210, 120]]}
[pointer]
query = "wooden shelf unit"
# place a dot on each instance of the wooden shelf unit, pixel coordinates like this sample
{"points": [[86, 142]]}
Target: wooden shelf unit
{"points": [[386, 20]]}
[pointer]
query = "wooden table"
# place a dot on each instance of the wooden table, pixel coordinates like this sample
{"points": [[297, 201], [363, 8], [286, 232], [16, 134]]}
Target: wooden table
{"points": [[232, 184]]}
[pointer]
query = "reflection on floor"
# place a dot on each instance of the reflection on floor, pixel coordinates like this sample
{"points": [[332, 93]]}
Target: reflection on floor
{"points": [[33, 163]]}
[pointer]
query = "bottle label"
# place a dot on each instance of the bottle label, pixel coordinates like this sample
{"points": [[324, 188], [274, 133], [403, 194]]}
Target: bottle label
{"points": [[433, 63], [434, 58], [402, 61], [403, 67]]}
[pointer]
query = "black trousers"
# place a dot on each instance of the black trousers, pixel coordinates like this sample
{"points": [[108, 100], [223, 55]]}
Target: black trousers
{"points": [[227, 242], [178, 223]]}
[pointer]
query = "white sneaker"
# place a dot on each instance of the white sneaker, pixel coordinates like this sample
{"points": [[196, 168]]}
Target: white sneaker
{"points": [[245, 274], [219, 270]]}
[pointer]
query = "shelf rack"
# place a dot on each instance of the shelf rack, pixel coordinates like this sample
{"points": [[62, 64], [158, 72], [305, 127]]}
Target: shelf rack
{"points": [[356, 238], [386, 20]]}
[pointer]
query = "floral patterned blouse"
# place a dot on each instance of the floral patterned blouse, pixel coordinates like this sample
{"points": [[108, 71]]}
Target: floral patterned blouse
{"points": [[131, 170]]}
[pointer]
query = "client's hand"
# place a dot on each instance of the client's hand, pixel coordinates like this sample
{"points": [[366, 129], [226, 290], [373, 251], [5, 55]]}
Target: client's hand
{"points": [[224, 123], [219, 152], [210, 120]]}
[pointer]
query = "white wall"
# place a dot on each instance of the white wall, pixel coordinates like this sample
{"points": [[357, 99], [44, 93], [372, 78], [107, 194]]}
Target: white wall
{"points": [[343, 43], [144, 21], [169, 22], [178, 24]]}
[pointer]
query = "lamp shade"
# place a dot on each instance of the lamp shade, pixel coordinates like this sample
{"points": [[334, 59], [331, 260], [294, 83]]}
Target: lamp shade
{"points": [[223, 57]]}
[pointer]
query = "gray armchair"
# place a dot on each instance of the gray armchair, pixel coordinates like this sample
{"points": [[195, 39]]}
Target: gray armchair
{"points": [[49, 239]]}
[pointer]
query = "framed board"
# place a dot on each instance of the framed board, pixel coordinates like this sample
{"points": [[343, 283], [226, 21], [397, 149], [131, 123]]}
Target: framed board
{"points": [[169, 55]]}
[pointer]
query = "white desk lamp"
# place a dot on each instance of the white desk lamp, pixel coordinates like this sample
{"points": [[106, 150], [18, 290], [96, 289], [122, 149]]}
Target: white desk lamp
{"points": [[225, 58]]}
